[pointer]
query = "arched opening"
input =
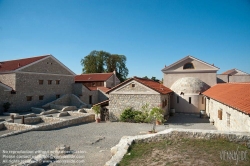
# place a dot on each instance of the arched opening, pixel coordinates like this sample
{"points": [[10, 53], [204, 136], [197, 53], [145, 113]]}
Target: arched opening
{"points": [[188, 65]]}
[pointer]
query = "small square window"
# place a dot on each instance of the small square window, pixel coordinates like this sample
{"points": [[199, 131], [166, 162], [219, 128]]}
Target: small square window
{"points": [[49, 82], [29, 98], [40, 82], [132, 85], [41, 97], [57, 96], [57, 82]]}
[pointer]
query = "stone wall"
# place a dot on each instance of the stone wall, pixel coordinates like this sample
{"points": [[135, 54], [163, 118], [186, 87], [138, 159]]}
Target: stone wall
{"points": [[86, 93], [112, 81], [27, 84], [17, 126], [48, 65], [223, 78], [32, 120], [238, 120], [122, 147], [69, 122], [119, 102], [52, 123]]}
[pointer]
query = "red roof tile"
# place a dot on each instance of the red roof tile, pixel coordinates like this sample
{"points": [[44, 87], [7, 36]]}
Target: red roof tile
{"points": [[93, 77], [147, 82], [104, 89], [236, 95], [15, 64]]}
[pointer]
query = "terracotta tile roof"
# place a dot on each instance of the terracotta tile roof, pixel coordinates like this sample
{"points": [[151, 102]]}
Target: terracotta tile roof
{"points": [[229, 72], [103, 103], [93, 77], [234, 72], [147, 82], [236, 95], [104, 89], [15, 64]]}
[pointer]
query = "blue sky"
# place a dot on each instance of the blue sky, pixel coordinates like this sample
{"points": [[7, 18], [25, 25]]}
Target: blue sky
{"points": [[150, 33]]}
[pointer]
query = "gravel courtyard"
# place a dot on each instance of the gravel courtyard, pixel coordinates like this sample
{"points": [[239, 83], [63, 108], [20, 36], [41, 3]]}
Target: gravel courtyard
{"points": [[94, 140]]}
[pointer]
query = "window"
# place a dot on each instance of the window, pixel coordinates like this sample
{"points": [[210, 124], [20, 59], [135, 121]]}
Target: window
{"points": [[188, 66], [132, 85], [228, 119], [49, 82], [202, 100], [41, 97], [40, 82], [93, 84], [90, 99], [28, 98], [220, 114], [57, 82], [178, 99], [189, 100], [57, 96]]}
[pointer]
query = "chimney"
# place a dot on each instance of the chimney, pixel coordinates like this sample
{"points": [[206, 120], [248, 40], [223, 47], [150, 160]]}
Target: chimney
{"points": [[114, 78]]}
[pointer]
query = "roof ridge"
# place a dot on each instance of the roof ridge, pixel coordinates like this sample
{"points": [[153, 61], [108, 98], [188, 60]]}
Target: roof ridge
{"points": [[27, 58]]}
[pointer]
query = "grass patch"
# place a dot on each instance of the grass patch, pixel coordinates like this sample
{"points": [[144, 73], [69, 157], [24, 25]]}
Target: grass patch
{"points": [[187, 152]]}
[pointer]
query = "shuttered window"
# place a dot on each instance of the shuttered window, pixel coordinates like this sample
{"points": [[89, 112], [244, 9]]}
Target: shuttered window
{"points": [[220, 114]]}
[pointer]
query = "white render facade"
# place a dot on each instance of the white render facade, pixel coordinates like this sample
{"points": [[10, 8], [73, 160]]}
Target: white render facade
{"points": [[188, 78], [231, 119]]}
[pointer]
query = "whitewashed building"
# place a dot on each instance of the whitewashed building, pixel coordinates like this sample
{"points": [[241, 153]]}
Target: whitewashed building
{"points": [[228, 106]]}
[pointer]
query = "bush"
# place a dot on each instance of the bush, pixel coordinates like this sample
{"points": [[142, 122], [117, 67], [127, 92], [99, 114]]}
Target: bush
{"points": [[128, 115]]}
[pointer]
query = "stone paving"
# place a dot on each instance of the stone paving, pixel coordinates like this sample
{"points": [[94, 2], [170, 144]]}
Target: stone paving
{"points": [[92, 138]]}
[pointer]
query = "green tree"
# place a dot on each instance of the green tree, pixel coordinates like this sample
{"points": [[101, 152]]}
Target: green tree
{"points": [[101, 62]]}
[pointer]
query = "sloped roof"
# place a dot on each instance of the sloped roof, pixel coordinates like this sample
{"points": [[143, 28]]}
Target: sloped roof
{"points": [[93, 77], [234, 71], [104, 89], [187, 57], [13, 65], [147, 82], [236, 95]]}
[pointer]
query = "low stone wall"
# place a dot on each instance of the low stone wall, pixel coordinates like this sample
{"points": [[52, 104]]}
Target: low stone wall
{"points": [[53, 123], [17, 126], [2, 126], [73, 113], [122, 147], [68, 122], [50, 119], [31, 120]]}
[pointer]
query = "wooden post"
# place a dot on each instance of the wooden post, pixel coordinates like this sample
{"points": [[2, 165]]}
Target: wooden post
{"points": [[22, 120], [12, 117]]}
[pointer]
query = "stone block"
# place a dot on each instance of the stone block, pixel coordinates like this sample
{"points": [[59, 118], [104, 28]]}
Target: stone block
{"points": [[63, 114], [69, 108], [82, 110]]}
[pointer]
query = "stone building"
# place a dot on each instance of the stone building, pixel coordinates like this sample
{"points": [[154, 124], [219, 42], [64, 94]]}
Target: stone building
{"points": [[188, 78], [228, 106], [32, 82], [92, 88], [233, 75], [136, 92]]}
